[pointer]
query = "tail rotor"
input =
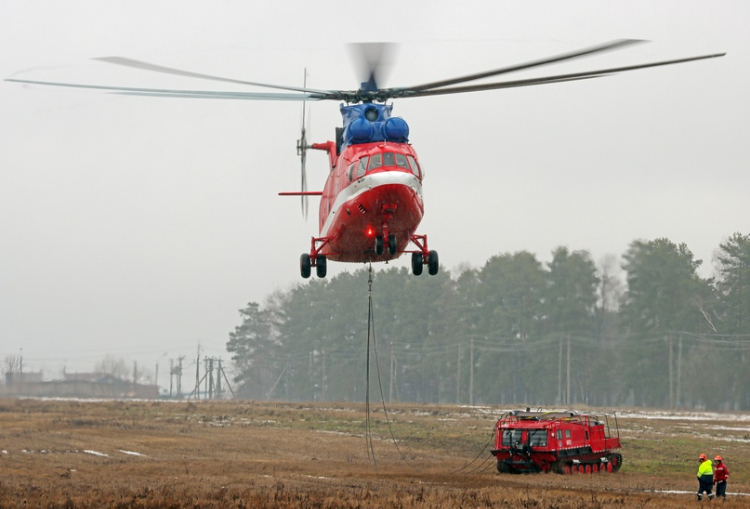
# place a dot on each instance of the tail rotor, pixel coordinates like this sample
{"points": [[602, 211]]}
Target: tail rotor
{"points": [[302, 148]]}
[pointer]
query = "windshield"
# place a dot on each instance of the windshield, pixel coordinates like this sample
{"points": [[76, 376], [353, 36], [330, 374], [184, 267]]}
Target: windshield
{"points": [[512, 437], [538, 437]]}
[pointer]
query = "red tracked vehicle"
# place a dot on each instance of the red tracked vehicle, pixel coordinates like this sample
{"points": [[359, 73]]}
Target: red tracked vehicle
{"points": [[560, 442]]}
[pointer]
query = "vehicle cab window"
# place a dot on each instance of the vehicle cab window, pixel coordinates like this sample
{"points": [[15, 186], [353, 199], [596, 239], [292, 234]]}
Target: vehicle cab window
{"points": [[538, 437]]}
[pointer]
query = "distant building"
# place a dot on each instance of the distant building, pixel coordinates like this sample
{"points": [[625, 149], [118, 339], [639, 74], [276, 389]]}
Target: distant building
{"points": [[14, 377], [76, 385]]}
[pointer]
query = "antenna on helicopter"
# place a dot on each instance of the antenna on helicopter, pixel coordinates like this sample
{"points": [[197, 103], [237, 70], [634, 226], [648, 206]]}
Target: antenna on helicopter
{"points": [[302, 148]]}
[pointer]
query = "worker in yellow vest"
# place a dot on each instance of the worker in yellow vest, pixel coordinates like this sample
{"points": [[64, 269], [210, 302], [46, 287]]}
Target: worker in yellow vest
{"points": [[705, 477]]}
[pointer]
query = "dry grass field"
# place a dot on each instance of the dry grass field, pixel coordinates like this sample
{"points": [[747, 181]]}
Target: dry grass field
{"points": [[272, 454]]}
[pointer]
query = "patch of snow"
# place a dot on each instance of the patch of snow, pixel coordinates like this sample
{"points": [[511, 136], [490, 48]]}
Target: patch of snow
{"points": [[684, 416], [727, 428], [131, 453], [680, 492], [96, 453]]}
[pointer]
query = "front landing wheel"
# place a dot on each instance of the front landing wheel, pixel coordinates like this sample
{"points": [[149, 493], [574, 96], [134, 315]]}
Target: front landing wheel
{"points": [[305, 265], [433, 265], [321, 266], [417, 263]]}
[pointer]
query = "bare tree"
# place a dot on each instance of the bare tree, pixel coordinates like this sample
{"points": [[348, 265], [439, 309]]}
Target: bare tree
{"points": [[12, 363], [113, 366]]}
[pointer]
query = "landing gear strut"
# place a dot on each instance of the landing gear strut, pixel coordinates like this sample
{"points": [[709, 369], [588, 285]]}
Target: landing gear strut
{"points": [[314, 259], [424, 255]]}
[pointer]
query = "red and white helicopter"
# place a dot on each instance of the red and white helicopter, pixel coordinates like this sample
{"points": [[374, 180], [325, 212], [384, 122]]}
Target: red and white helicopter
{"points": [[371, 203]]}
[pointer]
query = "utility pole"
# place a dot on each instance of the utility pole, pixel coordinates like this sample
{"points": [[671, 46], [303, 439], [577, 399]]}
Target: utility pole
{"points": [[227, 381], [671, 376], [458, 376], [198, 374], [323, 375], [179, 375], [559, 373], [218, 380], [208, 368], [679, 372], [471, 372], [171, 375], [567, 392], [390, 376]]}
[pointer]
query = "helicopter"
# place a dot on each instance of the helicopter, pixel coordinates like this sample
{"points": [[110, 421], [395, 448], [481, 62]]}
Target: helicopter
{"points": [[372, 201]]}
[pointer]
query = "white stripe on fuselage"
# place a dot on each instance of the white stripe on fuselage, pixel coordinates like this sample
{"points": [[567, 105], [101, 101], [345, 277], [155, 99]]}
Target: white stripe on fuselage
{"points": [[367, 183]]}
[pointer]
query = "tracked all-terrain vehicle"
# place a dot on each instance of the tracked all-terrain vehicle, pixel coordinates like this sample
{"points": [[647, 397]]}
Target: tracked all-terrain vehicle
{"points": [[560, 442]]}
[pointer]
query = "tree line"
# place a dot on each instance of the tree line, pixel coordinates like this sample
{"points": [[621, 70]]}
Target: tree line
{"points": [[515, 332]]}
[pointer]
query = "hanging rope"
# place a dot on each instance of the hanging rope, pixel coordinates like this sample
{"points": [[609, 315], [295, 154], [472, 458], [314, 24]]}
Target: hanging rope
{"points": [[371, 339], [368, 426]]}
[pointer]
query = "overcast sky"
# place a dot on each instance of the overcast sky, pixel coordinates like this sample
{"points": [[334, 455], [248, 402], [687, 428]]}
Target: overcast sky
{"points": [[137, 227]]}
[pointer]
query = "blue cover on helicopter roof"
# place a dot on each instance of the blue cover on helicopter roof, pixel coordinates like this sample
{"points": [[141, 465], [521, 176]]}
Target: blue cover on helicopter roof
{"points": [[368, 123]]}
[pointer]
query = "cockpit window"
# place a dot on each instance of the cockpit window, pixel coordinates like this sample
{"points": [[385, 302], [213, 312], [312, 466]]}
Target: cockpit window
{"points": [[389, 159], [394, 159], [362, 167], [414, 165], [401, 161], [376, 161]]}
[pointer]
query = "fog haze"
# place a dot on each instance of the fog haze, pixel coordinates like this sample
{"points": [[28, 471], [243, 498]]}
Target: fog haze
{"points": [[137, 226]]}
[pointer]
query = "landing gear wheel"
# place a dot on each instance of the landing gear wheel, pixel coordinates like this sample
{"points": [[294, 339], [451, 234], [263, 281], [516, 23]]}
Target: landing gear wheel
{"points": [[321, 266], [379, 245], [392, 244], [432, 263], [304, 265], [417, 263]]}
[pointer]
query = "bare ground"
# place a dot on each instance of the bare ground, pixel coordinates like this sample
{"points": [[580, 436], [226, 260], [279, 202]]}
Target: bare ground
{"points": [[273, 454]]}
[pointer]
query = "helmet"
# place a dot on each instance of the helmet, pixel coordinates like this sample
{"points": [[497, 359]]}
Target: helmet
{"points": [[702, 457], [717, 458]]}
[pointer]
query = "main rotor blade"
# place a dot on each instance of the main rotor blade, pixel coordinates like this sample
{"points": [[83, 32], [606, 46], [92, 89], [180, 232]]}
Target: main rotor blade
{"points": [[191, 94], [607, 46], [374, 60], [545, 80], [137, 64]]}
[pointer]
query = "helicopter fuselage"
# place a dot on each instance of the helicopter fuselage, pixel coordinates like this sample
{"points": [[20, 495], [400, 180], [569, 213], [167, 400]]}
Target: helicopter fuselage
{"points": [[371, 204], [373, 190]]}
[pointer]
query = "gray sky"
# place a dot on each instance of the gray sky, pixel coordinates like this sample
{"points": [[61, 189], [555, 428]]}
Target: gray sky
{"points": [[137, 226]]}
